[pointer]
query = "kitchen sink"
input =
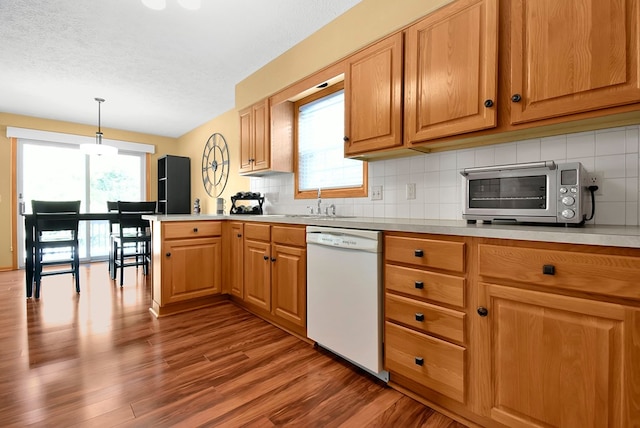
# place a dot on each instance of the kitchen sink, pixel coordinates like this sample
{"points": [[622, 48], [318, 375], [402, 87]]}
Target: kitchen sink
{"points": [[312, 216]]}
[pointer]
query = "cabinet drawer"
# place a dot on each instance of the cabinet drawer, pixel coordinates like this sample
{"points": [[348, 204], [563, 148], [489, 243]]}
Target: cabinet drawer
{"points": [[260, 232], [191, 229], [289, 235], [431, 253], [612, 275], [427, 285], [428, 318], [432, 362]]}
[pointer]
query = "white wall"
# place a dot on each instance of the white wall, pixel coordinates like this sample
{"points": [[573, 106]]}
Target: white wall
{"points": [[612, 153]]}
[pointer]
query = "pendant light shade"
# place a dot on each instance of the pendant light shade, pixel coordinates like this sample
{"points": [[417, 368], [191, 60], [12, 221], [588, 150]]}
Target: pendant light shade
{"points": [[99, 149]]}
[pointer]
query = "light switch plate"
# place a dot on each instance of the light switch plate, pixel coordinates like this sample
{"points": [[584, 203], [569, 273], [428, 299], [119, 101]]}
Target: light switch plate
{"points": [[411, 191]]}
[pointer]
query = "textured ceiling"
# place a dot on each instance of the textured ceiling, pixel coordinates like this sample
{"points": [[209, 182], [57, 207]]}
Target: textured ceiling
{"points": [[161, 72]]}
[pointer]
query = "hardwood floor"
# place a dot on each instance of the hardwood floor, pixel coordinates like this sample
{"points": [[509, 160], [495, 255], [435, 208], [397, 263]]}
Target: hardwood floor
{"points": [[101, 359]]}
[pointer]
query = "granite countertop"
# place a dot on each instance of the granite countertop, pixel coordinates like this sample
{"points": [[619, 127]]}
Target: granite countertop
{"points": [[615, 236]]}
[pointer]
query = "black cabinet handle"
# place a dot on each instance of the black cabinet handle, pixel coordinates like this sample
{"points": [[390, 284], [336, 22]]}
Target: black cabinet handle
{"points": [[419, 316], [273, 259], [239, 235], [168, 254], [418, 253], [346, 138], [482, 311], [419, 361], [488, 103], [549, 270], [516, 98], [265, 257], [419, 285], [195, 229]]}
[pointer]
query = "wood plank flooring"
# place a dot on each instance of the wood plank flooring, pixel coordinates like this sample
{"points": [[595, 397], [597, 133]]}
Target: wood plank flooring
{"points": [[101, 359]]}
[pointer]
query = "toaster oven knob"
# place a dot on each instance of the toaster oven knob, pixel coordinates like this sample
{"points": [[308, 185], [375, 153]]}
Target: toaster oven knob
{"points": [[563, 190], [568, 214], [568, 200]]}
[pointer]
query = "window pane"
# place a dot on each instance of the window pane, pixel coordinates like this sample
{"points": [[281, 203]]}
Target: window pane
{"points": [[321, 162]]}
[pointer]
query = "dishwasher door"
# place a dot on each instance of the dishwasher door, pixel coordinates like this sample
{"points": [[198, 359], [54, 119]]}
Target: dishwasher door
{"points": [[344, 294]]}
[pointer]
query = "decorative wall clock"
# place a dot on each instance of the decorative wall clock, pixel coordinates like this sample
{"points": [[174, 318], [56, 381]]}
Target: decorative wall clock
{"points": [[215, 165]]}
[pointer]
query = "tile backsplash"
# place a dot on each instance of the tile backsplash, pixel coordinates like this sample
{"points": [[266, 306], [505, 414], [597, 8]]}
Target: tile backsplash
{"points": [[611, 153]]}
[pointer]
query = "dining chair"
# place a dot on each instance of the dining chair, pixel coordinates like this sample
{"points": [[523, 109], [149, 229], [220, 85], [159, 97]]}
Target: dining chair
{"points": [[55, 241], [114, 227], [132, 243]]}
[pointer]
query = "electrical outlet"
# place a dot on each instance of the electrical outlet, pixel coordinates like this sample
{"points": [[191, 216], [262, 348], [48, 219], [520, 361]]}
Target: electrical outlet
{"points": [[376, 193], [595, 179], [411, 191]]}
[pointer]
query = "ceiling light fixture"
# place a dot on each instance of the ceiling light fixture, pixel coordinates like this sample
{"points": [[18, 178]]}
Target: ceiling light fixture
{"points": [[98, 148], [162, 4]]}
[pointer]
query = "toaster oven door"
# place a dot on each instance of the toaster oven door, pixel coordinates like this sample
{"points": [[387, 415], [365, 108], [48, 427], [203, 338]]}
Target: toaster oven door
{"points": [[526, 195]]}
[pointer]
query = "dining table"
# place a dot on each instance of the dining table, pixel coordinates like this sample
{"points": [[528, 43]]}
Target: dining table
{"points": [[29, 231]]}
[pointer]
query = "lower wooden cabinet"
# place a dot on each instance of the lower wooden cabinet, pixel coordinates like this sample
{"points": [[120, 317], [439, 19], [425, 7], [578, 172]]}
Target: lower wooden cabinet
{"points": [[187, 265], [558, 334], [557, 361], [275, 274]]}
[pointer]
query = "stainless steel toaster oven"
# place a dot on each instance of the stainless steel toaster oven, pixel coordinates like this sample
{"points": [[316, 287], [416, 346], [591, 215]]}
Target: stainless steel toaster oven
{"points": [[534, 192]]}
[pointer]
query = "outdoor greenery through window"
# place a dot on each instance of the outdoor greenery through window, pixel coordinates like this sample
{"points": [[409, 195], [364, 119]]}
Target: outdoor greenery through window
{"points": [[320, 148]]}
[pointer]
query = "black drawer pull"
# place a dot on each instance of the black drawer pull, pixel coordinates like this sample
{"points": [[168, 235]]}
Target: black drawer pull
{"points": [[195, 229], [482, 311], [168, 254], [516, 98], [419, 361], [549, 270], [419, 317], [418, 253], [419, 285], [488, 103]]}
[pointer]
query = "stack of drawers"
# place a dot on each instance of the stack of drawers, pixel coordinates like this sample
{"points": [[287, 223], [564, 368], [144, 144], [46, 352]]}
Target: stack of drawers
{"points": [[424, 312]]}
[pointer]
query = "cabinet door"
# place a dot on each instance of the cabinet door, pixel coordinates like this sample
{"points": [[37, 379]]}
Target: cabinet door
{"points": [[557, 361], [261, 148], [257, 274], [451, 71], [191, 268], [571, 56], [289, 283], [236, 259], [373, 97], [246, 140]]}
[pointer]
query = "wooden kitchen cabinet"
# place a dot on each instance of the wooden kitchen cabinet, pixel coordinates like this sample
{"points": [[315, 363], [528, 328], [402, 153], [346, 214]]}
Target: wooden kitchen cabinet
{"points": [[187, 265], [266, 138], [254, 138], [236, 259], [425, 331], [558, 355], [572, 56], [451, 60], [275, 280], [373, 97]]}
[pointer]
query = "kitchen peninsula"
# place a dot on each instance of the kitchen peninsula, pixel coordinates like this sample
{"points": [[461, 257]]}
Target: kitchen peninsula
{"points": [[519, 312]]}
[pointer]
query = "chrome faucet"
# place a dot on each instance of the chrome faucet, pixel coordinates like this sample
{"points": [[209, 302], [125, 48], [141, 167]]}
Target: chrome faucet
{"points": [[319, 200]]}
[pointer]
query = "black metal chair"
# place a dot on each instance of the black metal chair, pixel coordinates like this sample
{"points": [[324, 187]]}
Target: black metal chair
{"points": [[132, 244], [114, 227], [55, 240]]}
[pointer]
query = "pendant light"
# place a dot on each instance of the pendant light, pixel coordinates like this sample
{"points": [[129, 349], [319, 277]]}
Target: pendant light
{"points": [[99, 149]]}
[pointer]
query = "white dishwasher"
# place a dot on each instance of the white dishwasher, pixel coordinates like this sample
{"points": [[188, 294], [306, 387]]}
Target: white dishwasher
{"points": [[344, 294]]}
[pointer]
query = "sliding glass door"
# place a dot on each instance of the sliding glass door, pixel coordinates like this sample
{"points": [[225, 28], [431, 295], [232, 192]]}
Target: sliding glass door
{"points": [[55, 171]]}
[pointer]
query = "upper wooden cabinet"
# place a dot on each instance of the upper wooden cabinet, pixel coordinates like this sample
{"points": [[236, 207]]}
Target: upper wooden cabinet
{"points": [[451, 60], [373, 97], [254, 137], [572, 56], [266, 138]]}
